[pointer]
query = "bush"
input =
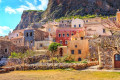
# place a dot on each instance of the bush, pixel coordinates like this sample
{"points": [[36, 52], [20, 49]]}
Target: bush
{"points": [[69, 58], [13, 55], [84, 61]]}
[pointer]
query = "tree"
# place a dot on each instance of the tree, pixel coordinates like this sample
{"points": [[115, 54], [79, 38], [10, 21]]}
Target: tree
{"points": [[53, 48], [22, 56]]}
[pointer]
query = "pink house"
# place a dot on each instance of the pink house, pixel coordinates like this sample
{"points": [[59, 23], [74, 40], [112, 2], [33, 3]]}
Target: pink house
{"points": [[63, 35]]}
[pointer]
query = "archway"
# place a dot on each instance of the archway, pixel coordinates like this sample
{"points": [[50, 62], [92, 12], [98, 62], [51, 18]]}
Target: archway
{"points": [[61, 52], [79, 59]]}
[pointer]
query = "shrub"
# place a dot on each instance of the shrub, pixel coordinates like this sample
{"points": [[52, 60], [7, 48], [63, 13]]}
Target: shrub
{"points": [[69, 58], [84, 61], [13, 55]]}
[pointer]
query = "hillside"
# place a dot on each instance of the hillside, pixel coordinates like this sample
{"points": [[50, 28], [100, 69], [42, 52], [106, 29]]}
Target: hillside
{"points": [[63, 8]]}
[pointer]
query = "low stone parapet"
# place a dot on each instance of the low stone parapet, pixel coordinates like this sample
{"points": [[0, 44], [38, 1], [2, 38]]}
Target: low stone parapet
{"points": [[48, 66]]}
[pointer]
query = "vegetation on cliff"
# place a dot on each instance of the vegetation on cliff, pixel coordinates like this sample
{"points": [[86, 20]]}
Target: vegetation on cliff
{"points": [[62, 9]]}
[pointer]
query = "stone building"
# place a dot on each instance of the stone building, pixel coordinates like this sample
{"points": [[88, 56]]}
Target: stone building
{"points": [[109, 52], [17, 37], [4, 38], [16, 33], [51, 29], [77, 23], [96, 20], [63, 35], [42, 44], [65, 23], [33, 35], [6, 47], [98, 26], [19, 41]]}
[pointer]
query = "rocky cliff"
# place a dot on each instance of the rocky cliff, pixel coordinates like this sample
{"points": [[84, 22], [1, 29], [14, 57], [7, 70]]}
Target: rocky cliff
{"points": [[29, 18], [63, 8]]}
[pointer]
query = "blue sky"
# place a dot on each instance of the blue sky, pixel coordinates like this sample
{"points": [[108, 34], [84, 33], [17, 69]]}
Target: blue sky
{"points": [[11, 11]]}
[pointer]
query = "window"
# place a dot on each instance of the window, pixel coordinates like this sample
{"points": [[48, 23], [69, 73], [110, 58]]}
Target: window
{"points": [[72, 34], [74, 26], [59, 35], [67, 35], [66, 42], [5, 50], [49, 29], [41, 45], [17, 35], [72, 51], [79, 25], [75, 46], [117, 57], [26, 34], [61, 42], [81, 38], [79, 59], [54, 40], [31, 42], [79, 51], [63, 35], [30, 33], [104, 31]]}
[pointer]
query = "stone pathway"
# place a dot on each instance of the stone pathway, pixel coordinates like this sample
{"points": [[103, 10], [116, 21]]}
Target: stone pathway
{"points": [[94, 68]]}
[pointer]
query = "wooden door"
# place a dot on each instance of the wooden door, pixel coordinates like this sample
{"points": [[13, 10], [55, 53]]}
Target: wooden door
{"points": [[117, 61], [61, 52]]}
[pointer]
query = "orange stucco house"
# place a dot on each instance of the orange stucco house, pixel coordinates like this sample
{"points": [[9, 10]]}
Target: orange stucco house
{"points": [[78, 47]]}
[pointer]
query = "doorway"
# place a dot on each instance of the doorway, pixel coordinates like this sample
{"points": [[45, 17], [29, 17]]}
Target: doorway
{"points": [[61, 52], [117, 61]]}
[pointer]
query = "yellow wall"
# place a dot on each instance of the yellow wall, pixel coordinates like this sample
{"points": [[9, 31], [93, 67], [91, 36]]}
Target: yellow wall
{"points": [[118, 17], [78, 35], [81, 45]]}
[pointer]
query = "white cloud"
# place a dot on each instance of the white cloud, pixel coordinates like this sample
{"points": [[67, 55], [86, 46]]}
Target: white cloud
{"points": [[43, 4], [0, 1], [4, 30], [35, 1], [10, 10], [29, 6]]}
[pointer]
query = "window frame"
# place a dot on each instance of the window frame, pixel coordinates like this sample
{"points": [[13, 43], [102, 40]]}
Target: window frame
{"points": [[79, 25], [31, 34], [59, 35], [79, 51], [63, 35], [68, 35], [27, 34], [72, 52]]}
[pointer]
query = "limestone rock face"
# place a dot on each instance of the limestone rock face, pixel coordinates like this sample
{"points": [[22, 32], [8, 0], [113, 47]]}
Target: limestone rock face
{"points": [[28, 18], [60, 8], [63, 8]]}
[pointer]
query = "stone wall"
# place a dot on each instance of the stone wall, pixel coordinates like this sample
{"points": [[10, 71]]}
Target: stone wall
{"points": [[48, 66]]}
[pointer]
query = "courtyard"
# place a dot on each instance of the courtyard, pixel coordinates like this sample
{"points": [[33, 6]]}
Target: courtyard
{"points": [[68, 74]]}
